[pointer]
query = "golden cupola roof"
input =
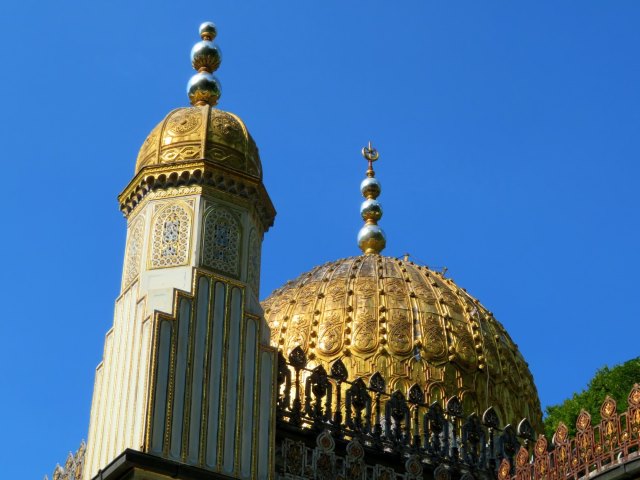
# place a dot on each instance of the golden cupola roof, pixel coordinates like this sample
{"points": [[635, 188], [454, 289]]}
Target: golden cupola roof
{"points": [[411, 324], [201, 132], [201, 145], [405, 321]]}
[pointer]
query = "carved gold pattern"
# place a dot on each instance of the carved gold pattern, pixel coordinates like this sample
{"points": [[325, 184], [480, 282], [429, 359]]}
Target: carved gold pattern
{"points": [[409, 323], [201, 132], [221, 241], [200, 174], [188, 152], [73, 466], [183, 121], [253, 263], [170, 237], [134, 251]]}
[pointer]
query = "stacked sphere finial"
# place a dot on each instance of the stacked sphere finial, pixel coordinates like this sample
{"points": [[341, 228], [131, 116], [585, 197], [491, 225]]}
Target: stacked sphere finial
{"points": [[204, 88], [371, 239]]}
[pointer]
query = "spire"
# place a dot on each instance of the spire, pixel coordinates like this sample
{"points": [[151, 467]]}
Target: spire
{"points": [[203, 88], [371, 239]]}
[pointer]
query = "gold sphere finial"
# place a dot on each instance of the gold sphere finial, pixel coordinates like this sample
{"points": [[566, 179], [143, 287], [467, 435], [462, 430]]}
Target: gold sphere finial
{"points": [[204, 88], [371, 238]]}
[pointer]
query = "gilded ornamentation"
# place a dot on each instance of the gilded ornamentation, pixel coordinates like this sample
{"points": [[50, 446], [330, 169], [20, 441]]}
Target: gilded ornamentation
{"points": [[228, 127], [426, 331], [504, 470], [73, 466], [336, 292], [253, 264], [583, 421], [608, 408], [188, 152], [134, 251], [253, 158], [184, 121], [400, 333], [221, 241], [149, 149], [366, 288], [395, 288], [561, 435], [225, 156], [450, 440], [307, 295], [364, 336], [175, 192], [299, 325], [425, 294], [522, 457], [634, 396], [451, 301], [330, 334], [434, 340], [182, 136], [540, 447], [170, 237]]}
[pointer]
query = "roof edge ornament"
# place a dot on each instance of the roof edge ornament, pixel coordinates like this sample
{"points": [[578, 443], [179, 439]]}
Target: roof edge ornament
{"points": [[371, 238], [203, 87]]}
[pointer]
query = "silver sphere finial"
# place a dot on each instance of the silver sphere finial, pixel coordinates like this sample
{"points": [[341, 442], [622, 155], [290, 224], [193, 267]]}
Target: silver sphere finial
{"points": [[204, 88], [208, 31], [371, 238]]}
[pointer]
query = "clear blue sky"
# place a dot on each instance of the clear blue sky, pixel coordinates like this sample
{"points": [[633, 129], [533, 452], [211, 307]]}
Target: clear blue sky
{"points": [[509, 140]]}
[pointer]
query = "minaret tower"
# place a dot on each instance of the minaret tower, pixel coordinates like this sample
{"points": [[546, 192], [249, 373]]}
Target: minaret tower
{"points": [[186, 381]]}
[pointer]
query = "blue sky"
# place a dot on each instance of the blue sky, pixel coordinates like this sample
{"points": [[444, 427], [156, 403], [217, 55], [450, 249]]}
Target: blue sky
{"points": [[509, 145]]}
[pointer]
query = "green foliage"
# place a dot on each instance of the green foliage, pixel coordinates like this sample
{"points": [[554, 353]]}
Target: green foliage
{"points": [[615, 382]]}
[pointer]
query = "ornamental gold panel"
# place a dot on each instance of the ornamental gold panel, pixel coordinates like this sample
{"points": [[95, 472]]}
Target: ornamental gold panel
{"points": [[171, 236], [133, 256]]}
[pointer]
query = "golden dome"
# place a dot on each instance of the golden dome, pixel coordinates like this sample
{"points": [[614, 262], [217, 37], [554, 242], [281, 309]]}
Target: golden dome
{"points": [[201, 132], [380, 314]]}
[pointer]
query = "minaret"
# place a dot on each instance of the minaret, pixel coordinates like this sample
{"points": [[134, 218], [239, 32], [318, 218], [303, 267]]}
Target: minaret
{"points": [[187, 374]]}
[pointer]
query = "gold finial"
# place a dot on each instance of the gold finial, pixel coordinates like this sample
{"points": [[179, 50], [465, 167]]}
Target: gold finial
{"points": [[371, 155], [371, 239], [203, 88]]}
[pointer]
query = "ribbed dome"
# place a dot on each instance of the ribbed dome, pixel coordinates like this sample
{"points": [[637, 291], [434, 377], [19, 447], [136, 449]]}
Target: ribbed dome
{"points": [[409, 323], [201, 132]]}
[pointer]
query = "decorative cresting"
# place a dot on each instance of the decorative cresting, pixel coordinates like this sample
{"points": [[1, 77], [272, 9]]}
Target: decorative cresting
{"points": [[366, 430], [609, 445], [411, 324], [371, 238], [73, 466]]}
